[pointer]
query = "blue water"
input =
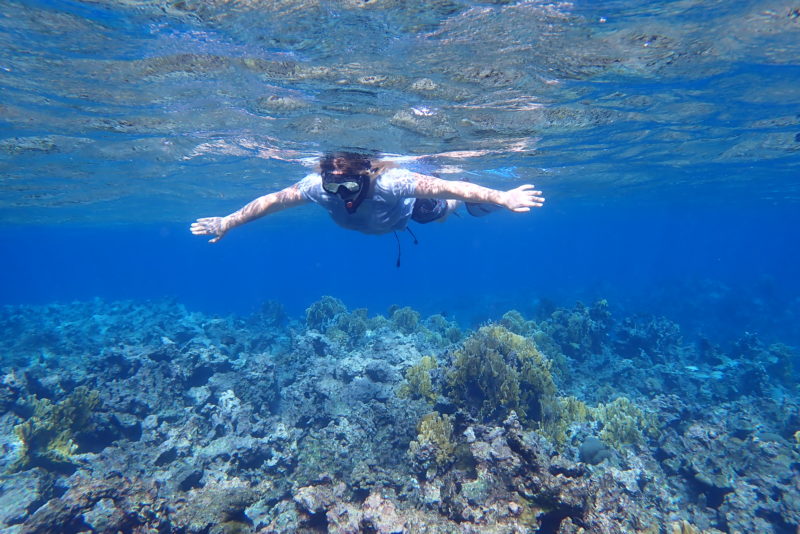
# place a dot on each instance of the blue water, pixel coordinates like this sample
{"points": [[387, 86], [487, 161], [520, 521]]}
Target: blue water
{"points": [[665, 136], [717, 269]]}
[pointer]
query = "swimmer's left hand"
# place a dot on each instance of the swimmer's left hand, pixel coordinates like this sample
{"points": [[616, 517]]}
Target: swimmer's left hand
{"points": [[522, 199]]}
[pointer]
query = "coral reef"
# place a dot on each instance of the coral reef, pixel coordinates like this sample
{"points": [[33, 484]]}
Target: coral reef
{"points": [[405, 320], [434, 446], [49, 436], [442, 331], [496, 372], [138, 417], [582, 331], [516, 323], [418, 383], [623, 423], [322, 313]]}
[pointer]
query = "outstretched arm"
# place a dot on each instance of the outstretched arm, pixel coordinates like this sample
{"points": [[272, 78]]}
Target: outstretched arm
{"points": [[264, 205], [519, 200]]}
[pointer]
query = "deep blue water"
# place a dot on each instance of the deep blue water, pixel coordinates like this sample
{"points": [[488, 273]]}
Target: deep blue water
{"points": [[717, 269], [664, 134]]}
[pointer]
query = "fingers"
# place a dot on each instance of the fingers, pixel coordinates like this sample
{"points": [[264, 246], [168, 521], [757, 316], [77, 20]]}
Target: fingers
{"points": [[526, 198], [200, 229], [528, 191], [532, 201], [206, 226], [532, 194]]}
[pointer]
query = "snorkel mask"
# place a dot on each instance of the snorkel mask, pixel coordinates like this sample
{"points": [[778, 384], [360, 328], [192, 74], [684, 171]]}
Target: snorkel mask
{"points": [[351, 188], [346, 175]]}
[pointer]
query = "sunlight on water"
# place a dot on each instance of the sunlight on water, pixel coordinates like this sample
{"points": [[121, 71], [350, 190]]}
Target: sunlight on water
{"points": [[125, 107]]}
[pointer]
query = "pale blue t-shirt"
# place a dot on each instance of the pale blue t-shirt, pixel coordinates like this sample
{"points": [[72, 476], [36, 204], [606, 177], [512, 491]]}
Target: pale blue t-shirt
{"points": [[387, 210]]}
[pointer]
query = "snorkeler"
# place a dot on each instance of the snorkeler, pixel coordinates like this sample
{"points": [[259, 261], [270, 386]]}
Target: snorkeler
{"points": [[374, 197]]}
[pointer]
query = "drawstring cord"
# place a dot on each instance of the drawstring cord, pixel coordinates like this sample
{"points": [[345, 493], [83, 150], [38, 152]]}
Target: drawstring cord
{"points": [[399, 250], [412, 235]]}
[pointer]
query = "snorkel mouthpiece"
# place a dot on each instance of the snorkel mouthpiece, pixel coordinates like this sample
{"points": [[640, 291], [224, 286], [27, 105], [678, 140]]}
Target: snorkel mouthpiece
{"points": [[346, 175], [352, 189]]}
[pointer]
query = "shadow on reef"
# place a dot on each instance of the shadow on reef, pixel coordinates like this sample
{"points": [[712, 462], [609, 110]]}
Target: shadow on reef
{"points": [[144, 417]]}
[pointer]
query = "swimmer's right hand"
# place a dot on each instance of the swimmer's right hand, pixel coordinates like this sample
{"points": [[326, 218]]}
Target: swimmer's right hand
{"points": [[210, 226]]}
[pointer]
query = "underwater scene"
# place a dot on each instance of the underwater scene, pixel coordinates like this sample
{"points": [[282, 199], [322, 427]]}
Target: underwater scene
{"points": [[603, 336]]}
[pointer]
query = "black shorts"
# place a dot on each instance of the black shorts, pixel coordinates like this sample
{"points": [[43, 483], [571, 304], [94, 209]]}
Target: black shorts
{"points": [[428, 210]]}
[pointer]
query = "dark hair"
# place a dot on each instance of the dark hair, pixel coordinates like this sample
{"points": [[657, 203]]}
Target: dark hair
{"points": [[345, 162]]}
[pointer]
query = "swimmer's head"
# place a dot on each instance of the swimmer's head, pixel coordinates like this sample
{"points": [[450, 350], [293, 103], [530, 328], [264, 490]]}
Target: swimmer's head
{"points": [[346, 174], [350, 163]]}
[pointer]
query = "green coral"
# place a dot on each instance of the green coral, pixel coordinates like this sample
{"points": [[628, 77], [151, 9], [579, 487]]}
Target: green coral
{"points": [[349, 327], [329, 316], [496, 372], [567, 411], [321, 314], [453, 334], [378, 322], [624, 423], [48, 437], [405, 320], [515, 322], [437, 323], [418, 380], [441, 331], [434, 445], [580, 331]]}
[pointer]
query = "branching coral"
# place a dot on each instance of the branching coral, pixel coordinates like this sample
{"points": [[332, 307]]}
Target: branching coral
{"points": [[322, 313], [656, 337], [497, 371], [623, 423], [405, 320], [434, 447], [351, 327], [329, 316], [418, 380], [515, 322], [580, 331], [437, 323], [48, 437], [566, 411], [442, 331]]}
